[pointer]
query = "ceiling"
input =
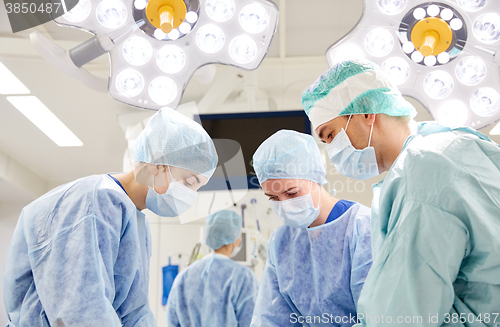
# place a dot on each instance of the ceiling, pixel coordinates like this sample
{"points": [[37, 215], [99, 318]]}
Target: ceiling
{"points": [[295, 60]]}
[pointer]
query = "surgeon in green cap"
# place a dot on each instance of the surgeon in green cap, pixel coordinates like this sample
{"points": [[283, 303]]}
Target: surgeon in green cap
{"points": [[435, 216]]}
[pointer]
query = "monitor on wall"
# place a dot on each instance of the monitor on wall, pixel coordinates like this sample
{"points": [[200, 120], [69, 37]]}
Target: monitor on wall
{"points": [[250, 130]]}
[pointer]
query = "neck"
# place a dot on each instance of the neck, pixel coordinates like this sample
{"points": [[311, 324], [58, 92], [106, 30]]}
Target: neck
{"points": [[225, 250], [394, 139], [136, 192], [327, 203]]}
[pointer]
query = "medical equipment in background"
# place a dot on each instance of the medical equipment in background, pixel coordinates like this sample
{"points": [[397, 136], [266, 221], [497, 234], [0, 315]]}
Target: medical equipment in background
{"points": [[156, 46], [169, 274], [196, 253], [445, 54]]}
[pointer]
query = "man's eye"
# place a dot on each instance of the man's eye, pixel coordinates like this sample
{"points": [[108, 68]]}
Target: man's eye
{"points": [[292, 194], [187, 183]]}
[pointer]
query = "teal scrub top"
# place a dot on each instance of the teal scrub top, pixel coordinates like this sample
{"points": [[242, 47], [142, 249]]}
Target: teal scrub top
{"points": [[436, 233]]}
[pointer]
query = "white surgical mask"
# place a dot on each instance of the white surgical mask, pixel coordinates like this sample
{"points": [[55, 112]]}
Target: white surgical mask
{"points": [[236, 250], [298, 212], [350, 162], [177, 200]]}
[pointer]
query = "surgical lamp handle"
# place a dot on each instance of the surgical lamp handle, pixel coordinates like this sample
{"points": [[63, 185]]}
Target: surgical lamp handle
{"points": [[60, 58]]}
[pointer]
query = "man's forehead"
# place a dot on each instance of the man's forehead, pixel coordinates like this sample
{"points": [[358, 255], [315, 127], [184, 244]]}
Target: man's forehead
{"points": [[331, 123]]}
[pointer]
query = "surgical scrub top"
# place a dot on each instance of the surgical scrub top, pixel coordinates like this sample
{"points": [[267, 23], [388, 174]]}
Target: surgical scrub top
{"points": [[213, 291], [79, 256], [436, 233], [313, 276]]}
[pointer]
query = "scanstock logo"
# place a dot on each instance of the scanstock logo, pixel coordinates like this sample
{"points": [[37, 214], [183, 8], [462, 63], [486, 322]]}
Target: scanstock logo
{"points": [[25, 14]]}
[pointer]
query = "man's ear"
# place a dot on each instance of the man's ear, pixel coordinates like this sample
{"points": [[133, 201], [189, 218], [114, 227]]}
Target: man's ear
{"points": [[370, 119], [155, 169]]}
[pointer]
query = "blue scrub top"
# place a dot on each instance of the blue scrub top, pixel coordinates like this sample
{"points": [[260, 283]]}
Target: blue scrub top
{"points": [[339, 209], [118, 182]]}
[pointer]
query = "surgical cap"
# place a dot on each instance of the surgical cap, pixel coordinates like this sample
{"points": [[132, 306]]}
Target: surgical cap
{"points": [[289, 155], [172, 139], [223, 227], [353, 87]]}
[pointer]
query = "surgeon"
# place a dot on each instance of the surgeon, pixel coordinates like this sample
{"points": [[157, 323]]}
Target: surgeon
{"points": [[80, 254], [318, 260], [215, 291], [435, 215]]}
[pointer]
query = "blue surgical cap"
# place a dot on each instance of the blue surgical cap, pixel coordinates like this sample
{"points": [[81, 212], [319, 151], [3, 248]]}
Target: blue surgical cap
{"points": [[353, 87], [172, 139], [223, 227], [289, 155]]}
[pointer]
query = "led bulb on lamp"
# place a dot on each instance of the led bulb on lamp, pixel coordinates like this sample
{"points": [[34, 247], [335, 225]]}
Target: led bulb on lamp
{"points": [[174, 35], [243, 49], [163, 90], [485, 102], [471, 70], [111, 13], [379, 42], [391, 7], [472, 5], [419, 13], [185, 28], [171, 59], [210, 38], [254, 18], [159, 34], [446, 14], [487, 28], [417, 57], [220, 10], [433, 10], [80, 12], [438, 84], [456, 24], [397, 69], [129, 83], [443, 58], [137, 51], [140, 4], [191, 17]]}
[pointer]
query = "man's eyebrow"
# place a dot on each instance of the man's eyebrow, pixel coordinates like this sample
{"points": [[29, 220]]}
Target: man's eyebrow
{"points": [[269, 194], [197, 179]]}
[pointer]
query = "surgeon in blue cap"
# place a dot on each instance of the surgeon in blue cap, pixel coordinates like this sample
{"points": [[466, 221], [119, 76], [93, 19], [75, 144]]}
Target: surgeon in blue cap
{"points": [[318, 261], [215, 291], [80, 254], [435, 215]]}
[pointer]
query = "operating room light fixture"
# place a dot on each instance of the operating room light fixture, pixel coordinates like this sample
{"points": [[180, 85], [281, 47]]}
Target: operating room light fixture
{"points": [[9, 83], [34, 109], [155, 46], [446, 54]]}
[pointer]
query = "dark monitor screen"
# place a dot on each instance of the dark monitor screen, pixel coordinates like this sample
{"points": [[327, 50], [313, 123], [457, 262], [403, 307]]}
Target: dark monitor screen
{"points": [[251, 129]]}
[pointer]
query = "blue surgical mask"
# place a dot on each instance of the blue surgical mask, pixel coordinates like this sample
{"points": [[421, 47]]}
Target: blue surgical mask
{"points": [[350, 162], [177, 200], [298, 212]]}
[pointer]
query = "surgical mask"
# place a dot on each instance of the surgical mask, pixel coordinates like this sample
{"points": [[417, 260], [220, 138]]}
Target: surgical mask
{"points": [[177, 200], [298, 212], [350, 162], [236, 250]]}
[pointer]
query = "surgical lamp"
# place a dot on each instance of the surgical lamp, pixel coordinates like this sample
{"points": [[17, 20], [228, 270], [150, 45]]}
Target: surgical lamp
{"points": [[445, 54], [155, 46]]}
